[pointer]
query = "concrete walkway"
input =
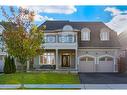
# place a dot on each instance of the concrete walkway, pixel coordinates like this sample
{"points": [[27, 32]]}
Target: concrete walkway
{"points": [[80, 86]]}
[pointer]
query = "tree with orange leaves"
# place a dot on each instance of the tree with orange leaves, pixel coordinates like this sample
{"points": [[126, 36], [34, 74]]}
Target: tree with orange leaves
{"points": [[23, 39]]}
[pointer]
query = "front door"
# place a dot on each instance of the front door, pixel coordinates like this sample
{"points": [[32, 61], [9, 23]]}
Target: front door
{"points": [[65, 60]]}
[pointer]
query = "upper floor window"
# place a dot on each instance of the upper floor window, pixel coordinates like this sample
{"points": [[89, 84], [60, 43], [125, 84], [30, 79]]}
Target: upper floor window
{"points": [[85, 34], [66, 38], [50, 38], [104, 34], [67, 28]]}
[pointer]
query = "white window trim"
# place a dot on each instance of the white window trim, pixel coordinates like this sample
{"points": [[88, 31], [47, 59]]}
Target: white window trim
{"points": [[65, 39], [104, 35], [67, 28], [85, 34], [46, 64], [87, 55], [46, 37]]}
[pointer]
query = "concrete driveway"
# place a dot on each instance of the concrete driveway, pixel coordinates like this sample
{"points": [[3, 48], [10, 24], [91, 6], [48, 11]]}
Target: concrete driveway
{"points": [[103, 78]]}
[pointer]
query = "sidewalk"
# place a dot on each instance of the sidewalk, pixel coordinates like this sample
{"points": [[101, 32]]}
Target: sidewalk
{"points": [[105, 86], [80, 86]]}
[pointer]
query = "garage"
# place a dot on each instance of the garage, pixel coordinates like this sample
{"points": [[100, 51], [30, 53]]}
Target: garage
{"points": [[105, 64], [1, 63], [99, 64], [86, 64]]}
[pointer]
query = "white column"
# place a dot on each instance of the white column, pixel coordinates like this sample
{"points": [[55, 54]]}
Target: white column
{"points": [[28, 65], [57, 63], [76, 54], [114, 67], [76, 60]]}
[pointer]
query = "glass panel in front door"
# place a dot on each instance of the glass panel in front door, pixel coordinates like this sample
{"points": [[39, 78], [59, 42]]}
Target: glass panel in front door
{"points": [[65, 61]]}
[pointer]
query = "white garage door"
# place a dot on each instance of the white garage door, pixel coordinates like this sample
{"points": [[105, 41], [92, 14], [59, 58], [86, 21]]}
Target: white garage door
{"points": [[86, 64], [1, 64], [105, 64]]}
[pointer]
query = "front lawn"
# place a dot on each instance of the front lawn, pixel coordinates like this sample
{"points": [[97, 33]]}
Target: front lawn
{"points": [[40, 78]]}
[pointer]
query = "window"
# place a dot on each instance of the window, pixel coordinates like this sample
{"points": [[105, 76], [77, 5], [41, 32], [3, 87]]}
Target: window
{"points": [[104, 34], [66, 38], [86, 59], [47, 58], [67, 28], [50, 38], [85, 34], [106, 58]]}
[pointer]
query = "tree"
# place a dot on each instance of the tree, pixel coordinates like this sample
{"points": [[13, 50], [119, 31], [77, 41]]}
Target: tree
{"points": [[23, 39]]}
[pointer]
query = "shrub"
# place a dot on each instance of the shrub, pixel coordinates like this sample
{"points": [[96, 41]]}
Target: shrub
{"points": [[13, 65], [9, 66]]}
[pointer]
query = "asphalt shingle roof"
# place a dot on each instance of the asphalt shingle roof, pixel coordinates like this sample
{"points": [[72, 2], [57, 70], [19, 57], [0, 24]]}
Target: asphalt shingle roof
{"points": [[95, 28]]}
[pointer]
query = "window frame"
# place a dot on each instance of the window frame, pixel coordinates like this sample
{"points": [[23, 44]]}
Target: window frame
{"points": [[67, 28], [87, 59], [47, 54], [85, 34], [104, 34], [106, 58], [66, 38], [47, 37]]}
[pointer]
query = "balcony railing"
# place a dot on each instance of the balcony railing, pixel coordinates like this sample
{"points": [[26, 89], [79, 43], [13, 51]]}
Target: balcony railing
{"points": [[60, 39]]}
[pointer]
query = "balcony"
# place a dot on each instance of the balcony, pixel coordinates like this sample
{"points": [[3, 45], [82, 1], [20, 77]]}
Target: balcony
{"points": [[61, 41]]}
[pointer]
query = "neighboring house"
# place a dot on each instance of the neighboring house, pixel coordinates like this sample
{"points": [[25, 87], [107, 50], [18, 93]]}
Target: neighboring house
{"points": [[78, 46], [123, 42], [2, 49]]}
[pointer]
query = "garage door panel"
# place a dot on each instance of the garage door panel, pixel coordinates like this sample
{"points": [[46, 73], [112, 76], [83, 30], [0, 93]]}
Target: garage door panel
{"points": [[87, 67], [105, 66]]}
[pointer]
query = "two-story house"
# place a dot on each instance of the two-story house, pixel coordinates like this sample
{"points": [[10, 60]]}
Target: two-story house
{"points": [[79, 46]]}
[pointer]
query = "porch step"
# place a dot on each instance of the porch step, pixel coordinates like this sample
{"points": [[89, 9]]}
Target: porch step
{"points": [[58, 71]]}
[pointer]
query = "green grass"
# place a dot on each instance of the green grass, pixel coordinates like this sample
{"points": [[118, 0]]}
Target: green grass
{"points": [[40, 89], [40, 78]]}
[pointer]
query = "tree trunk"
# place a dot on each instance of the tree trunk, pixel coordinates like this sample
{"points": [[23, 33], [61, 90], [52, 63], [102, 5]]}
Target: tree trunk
{"points": [[22, 76], [23, 62]]}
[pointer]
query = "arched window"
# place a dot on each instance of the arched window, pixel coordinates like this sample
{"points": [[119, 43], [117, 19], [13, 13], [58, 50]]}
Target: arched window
{"points": [[104, 34], [67, 28], [85, 34], [67, 35], [86, 58], [106, 58]]}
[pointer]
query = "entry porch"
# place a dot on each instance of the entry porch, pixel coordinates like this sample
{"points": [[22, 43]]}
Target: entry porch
{"points": [[57, 59]]}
